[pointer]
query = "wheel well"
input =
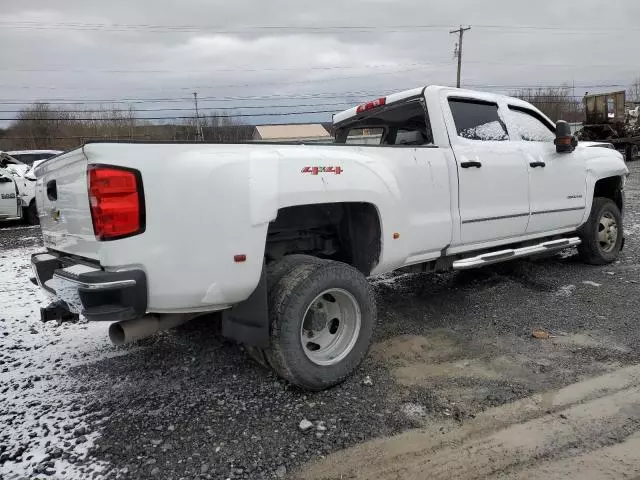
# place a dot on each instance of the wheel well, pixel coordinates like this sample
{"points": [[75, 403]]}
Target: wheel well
{"points": [[610, 187], [347, 232]]}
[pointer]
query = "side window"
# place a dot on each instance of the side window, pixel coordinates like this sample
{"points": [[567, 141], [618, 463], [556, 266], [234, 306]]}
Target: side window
{"points": [[476, 120], [364, 136], [406, 136], [529, 126]]}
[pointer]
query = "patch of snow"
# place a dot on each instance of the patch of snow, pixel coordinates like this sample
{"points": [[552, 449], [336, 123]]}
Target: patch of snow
{"points": [[488, 131], [414, 410], [27, 227], [41, 404], [388, 278], [593, 284], [566, 290]]}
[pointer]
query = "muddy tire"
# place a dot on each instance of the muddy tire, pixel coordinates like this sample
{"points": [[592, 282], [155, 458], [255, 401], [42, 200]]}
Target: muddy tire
{"points": [[602, 234], [31, 214], [274, 273], [322, 321], [279, 269]]}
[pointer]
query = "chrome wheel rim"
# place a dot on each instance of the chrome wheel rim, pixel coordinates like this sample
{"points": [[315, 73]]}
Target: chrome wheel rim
{"points": [[607, 232], [330, 327]]}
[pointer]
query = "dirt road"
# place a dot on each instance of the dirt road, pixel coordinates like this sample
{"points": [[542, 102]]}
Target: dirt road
{"points": [[588, 430]]}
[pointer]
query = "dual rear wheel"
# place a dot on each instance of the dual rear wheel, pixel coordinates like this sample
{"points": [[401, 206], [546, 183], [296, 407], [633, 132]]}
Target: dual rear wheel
{"points": [[322, 315]]}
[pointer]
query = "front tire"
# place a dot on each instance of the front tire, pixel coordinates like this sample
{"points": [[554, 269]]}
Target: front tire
{"points": [[322, 322], [602, 234]]}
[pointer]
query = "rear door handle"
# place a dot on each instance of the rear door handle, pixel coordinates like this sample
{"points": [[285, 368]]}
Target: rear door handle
{"points": [[537, 164], [471, 164]]}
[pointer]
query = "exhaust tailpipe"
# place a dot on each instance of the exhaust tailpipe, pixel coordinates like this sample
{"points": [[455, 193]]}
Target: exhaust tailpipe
{"points": [[131, 330]]}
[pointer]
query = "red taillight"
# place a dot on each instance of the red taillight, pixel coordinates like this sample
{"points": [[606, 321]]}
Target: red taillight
{"points": [[365, 107], [115, 198]]}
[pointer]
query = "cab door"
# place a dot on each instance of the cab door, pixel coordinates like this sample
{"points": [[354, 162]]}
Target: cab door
{"points": [[557, 181], [492, 174], [9, 199]]}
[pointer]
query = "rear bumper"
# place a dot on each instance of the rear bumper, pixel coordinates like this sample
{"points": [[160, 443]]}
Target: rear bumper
{"points": [[90, 291]]}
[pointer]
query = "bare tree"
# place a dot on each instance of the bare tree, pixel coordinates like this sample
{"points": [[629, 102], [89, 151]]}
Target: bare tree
{"points": [[42, 126], [556, 103]]}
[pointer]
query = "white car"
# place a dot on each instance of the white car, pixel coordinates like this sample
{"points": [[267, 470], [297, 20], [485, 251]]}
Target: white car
{"points": [[10, 200], [284, 236], [20, 164]]}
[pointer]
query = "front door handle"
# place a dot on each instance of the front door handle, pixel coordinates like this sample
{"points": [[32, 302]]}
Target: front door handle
{"points": [[537, 164], [471, 164]]}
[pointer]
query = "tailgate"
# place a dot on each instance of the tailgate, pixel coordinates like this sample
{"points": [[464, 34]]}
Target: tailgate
{"points": [[63, 205]]}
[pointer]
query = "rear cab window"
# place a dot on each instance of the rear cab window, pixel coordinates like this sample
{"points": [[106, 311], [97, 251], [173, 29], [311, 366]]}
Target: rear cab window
{"points": [[403, 123], [477, 120]]}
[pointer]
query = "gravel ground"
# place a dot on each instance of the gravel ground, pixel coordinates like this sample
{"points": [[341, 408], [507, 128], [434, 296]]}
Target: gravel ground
{"points": [[186, 404]]}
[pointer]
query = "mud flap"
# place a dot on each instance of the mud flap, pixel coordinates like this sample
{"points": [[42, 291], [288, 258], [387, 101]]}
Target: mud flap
{"points": [[248, 321]]}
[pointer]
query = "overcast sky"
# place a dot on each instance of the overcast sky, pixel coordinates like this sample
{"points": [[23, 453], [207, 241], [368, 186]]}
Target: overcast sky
{"points": [[317, 53]]}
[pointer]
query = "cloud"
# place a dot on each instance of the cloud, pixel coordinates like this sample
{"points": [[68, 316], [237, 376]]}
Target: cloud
{"points": [[166, 49]]}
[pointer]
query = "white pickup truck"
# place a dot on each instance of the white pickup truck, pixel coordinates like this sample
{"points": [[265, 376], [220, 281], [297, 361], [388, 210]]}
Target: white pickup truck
{"points": [[283, 236]]}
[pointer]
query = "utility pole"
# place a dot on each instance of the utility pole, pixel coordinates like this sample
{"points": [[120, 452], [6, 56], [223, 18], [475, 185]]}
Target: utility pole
{"points": [[458, 51], [199, 133]]}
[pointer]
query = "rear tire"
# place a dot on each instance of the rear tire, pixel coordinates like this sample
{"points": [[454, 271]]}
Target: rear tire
{"points": [[602, 234], [322, 322], [31, 214]]}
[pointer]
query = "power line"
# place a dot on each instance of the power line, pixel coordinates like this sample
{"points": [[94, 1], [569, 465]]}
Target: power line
{"points": [[325, 95], [242, 107], [557, 100], [68, 69], [298, 82], [307, 29], [191, 117], [438, 61]]}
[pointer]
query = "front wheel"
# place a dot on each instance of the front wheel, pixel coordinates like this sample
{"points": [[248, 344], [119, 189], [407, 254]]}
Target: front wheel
{"points": [[322, 322], [602, 234]]}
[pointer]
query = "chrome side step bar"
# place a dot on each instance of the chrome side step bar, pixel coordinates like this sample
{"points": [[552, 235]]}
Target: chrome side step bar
{"points": [[511, 254]]}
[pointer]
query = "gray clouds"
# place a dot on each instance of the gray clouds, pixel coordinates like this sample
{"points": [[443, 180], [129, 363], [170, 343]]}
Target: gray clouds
{"points": [[167, 49]]}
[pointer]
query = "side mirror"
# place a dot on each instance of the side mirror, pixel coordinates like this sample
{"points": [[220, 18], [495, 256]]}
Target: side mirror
{"points": [[565, 142]]}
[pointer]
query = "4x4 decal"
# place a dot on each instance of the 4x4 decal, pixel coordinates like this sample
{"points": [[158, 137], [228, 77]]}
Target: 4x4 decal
{"points": [[316, 170]]}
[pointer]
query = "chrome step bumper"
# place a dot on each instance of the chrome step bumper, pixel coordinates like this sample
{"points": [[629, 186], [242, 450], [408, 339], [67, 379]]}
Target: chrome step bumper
{"points": [[513, 253]]}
